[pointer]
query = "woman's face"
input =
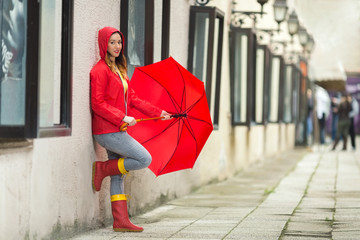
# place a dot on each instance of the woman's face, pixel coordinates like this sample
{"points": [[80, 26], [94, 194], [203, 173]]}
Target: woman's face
{"points": [[114, 45]]}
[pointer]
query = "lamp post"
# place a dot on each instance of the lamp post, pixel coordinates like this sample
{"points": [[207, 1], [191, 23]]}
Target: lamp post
{"points": [[280, 10], [262, 2], [293, 24]]}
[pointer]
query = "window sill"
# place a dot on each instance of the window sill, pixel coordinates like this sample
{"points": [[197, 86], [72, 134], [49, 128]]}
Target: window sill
{"points": [[6, 143]]}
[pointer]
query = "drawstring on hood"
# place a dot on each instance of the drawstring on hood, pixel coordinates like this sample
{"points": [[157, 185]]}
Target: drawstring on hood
{"points": [[103, 39]]}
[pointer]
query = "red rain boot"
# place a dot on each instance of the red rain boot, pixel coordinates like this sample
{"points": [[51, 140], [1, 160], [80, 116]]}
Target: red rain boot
{"points": [[121, 217], [104, 169]]}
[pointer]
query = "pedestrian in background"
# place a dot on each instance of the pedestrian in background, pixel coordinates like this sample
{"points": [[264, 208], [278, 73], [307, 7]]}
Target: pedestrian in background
{"points": [[344, 121], [354, 112], [309, 118], [322, 110], [334, 113], [111, 97]]}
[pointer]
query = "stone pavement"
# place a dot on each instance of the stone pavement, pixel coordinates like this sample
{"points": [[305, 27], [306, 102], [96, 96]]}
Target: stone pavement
{"points": [[299, 195]]}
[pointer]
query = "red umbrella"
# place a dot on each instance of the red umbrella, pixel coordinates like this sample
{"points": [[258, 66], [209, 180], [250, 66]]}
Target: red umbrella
{"points": [[174, 144]]}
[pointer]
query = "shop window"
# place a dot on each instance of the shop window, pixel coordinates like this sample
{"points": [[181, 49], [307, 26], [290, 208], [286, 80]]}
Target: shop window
{"points": [[205, 53], [287, 93], [145, 25], [275, 109], [35, 98], [242, 76]]}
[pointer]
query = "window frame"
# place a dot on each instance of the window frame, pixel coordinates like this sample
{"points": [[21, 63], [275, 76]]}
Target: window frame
{"points": [[296, 73], [250, 78], [291, 81], [64, 128], [280, 90], [31, 128], [267, 65], [214, 13], [165, 29], [304, 83]]}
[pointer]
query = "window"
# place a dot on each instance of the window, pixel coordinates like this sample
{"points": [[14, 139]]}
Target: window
{"points": [[145, 25], [205, 53], [296, 76], [287, 93], [242, 76], [300, 126], [275, 89], [302, 104], [35, 88], [262, 78]]}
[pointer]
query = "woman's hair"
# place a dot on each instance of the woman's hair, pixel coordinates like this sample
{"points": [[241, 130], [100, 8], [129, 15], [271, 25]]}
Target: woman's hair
{"points": [[120, 63]]}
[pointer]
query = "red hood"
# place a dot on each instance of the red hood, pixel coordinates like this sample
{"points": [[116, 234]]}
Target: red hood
{"points": [[103, 39]]}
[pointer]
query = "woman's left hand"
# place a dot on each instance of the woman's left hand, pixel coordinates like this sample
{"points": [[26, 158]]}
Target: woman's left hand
{"points": [[165, 115]]}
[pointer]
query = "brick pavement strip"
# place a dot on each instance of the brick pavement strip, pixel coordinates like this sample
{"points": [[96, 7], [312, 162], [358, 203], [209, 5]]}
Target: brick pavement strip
{"points": [[299, 195]]}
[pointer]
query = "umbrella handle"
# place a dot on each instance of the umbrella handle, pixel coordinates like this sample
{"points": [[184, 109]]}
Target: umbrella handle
{"points": [[124, 126]]}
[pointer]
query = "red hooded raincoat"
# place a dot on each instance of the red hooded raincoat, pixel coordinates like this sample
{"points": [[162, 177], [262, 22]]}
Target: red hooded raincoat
{"points": [[109, 103]]}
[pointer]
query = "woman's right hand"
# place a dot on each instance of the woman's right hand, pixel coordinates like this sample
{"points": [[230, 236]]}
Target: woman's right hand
{"points": [[129, 120]]}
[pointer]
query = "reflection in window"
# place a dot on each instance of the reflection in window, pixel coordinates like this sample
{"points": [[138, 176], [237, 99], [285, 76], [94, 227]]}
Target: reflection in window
{"points": [[274, 89], [287, 94], [259, 96], [13, 62]]}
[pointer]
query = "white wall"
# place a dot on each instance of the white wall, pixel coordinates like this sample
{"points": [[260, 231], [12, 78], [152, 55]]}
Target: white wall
{"points": [[45, 188]]}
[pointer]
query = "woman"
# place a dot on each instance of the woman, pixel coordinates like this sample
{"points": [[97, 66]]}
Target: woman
{"points": [[111, 96], [343, 122]]}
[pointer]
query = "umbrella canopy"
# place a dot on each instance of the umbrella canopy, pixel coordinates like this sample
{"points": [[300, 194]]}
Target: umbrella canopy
{"points": [[174, 144]]}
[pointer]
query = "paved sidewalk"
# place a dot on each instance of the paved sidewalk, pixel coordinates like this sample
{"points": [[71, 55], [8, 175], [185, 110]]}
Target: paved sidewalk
{"points": [[300, 195]]}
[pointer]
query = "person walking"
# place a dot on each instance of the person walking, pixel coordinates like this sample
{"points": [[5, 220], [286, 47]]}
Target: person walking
{"points": [[334, 113], [323, 110], [309, 117], [354, 112], [111, 98], [344, 121]]}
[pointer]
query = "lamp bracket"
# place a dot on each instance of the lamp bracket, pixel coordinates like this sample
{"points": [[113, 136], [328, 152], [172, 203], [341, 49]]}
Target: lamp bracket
{"points": [[237, 17], [202, 2], [261, 33]]}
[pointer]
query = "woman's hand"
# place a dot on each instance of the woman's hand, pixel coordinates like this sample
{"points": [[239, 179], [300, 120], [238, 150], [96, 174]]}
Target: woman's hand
{"points": [[129, 120], [165, 115]]}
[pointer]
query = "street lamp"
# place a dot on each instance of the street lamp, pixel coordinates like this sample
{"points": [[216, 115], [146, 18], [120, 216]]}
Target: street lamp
{"points": [[303, 36], [280, 10], [293, 24], [262, 2], [310, 44]]}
